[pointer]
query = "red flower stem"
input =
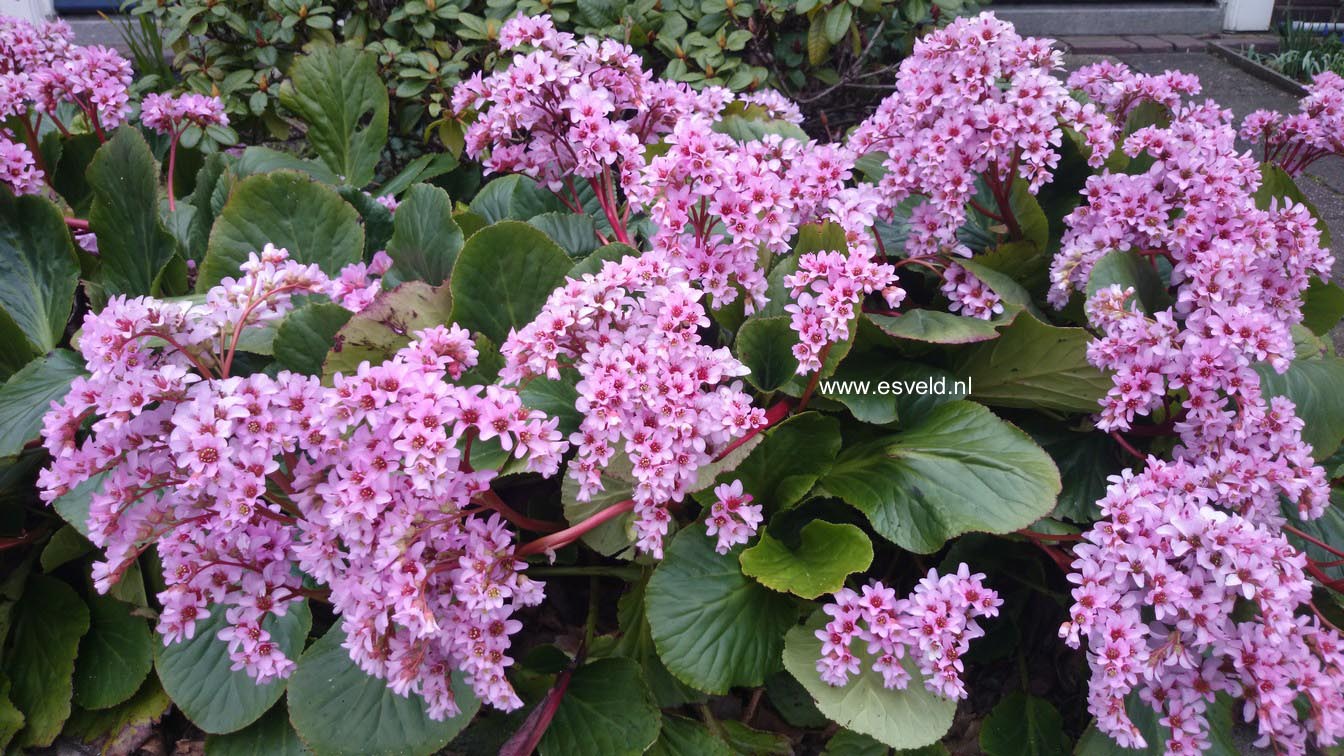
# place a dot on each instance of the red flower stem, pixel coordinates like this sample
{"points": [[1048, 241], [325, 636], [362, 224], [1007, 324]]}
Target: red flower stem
{"points": [[571, 534], [1035, 536], [1127, 446], [1313, 539], [524, 741], [77, 224], [491, 500], [816, 378], [172, 166], [773, 416]]}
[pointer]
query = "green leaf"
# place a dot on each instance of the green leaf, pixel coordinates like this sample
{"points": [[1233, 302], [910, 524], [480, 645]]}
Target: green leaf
{"points": [[65, 545], [376, 219], [635, 642], [765, 346], [503, 277], [123, 728], [1220, 714], [11, 719], [714, 627], [340, 96], [1023, 725], [386, 325], [1322, 306], [48, 621], [290, 211], [1317, 388], [38, 269], [935, 327], [785, 466], [575, 233], [73, 506], [826, 554], [1130, 270], [1036, 366], [615, 537], [742, 739], [879, 388], [607, 709], [423, 168], [133, 245], [338, 710], [114, 657], [513, 197], [593, 263], [959, 470], [910, 718], [426, 241], [305, 337], [27, 395], [271, 735], [196, 672], [850, 743], [256, 161], [686, 737], [555, 398], [1085, 461]]}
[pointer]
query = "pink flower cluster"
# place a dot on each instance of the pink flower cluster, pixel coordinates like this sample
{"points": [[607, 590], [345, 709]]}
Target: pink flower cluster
{"points": [[935, 624], [968, 294], [1293, 142], [172, 114], [974, 101], [1119, 89], [1185, 543], [732, 516], [568, 108], [648, 390], [243, 482], [828, 287], [41, 68], [1180, 596]]}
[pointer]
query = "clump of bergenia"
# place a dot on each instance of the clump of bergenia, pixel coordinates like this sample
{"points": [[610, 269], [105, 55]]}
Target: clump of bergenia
{"points": [[649, 390], [1188, 587], [246, 482], [1118, 89], [1295, 141]]}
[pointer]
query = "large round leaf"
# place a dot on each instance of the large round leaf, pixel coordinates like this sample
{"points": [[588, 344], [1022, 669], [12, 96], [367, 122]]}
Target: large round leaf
{"points": [[1034, 365], [425, 240], [910, 718], [217, 699], [780, 470], [714, 627], [305, 337], [133, 245], [1316, 386], [936, 327], [38, 270], [386, 325], [338, 93], [1023, 725], [47, 623], [339, 710], [503, 277], [826, 553], [960, 469], [272, 735], [765, 346], [27, 395], [288, 210], [606, 710], [114, 657]]}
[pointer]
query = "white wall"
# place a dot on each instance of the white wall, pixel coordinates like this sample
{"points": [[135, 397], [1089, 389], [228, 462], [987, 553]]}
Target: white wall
{"points": [[33, 10]]}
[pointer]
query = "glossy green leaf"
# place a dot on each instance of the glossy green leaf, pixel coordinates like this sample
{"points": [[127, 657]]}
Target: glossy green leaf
{"points": [[607, 709], [765, 346], [935, 327], [64, 546], [576, 233], [386, 325], [793, 456], [1023, 725], [47, 623], [880, 388], [272, 735], [1322, 306], [425, 240], [305, 336], [1034, 365], [11, 719], [27, 395], [825, 555], [1128, 269], [196, 672], [115, 655], [290, 211], [1316, 387], [636, 642], [714, 627], [686, 737], [909, 718], [338, 93], [1221, 715], [338, 710], [38, 270], [133, 245], [503, 277], [959, 470]]}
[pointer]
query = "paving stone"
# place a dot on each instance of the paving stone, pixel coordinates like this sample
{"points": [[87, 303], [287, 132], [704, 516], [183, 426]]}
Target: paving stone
{"points": [[1106, 45], [1150, 43], [1185, 42]]}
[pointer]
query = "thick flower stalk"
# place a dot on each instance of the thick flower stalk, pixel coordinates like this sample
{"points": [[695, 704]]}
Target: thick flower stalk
{"points": [[1188, 586], [1296, 141], [242, 481], [649, 390], [934, 626], [173, 115]]}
